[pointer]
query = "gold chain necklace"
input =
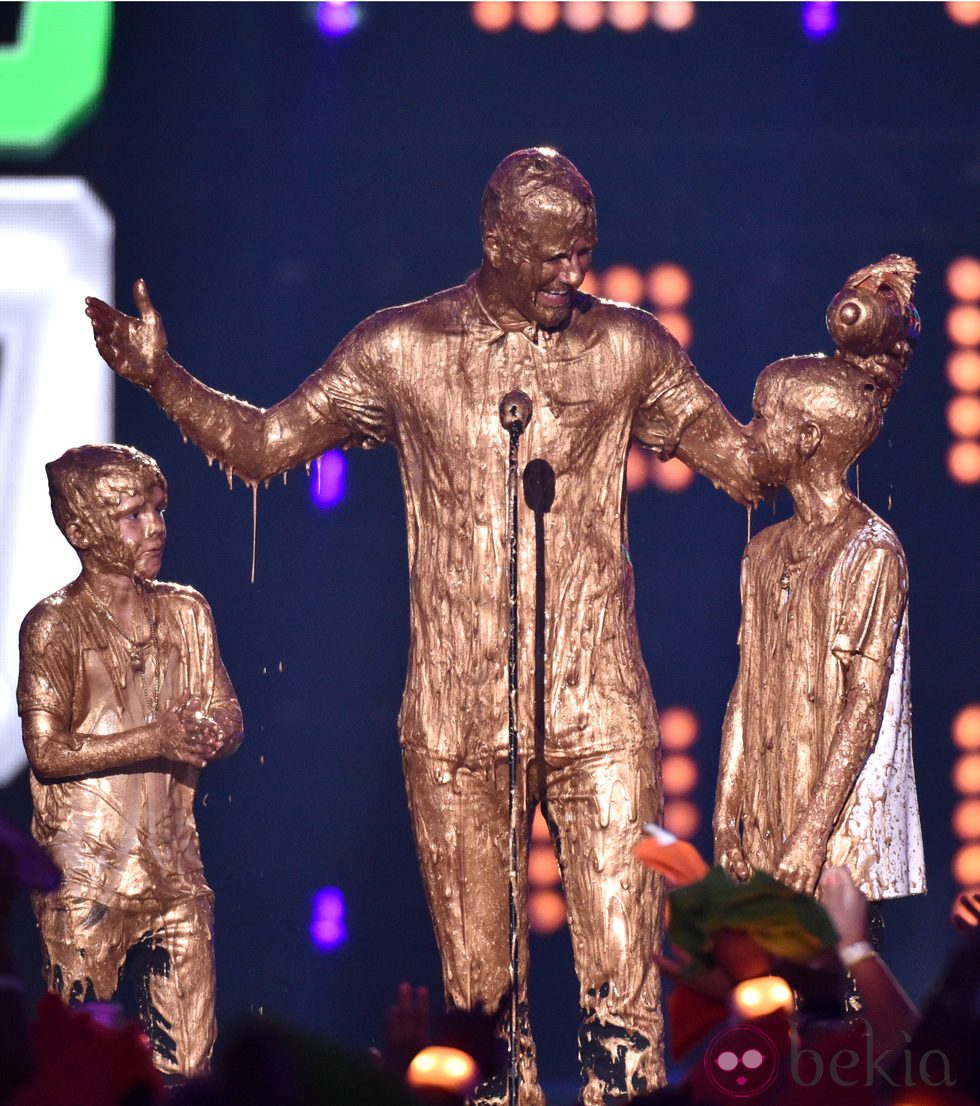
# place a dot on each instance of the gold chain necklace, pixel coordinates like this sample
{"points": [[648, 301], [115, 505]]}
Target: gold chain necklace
{"points": [[137, 653]]}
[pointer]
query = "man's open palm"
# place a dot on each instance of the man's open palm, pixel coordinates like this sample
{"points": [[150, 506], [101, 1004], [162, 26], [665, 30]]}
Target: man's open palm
{"points": [[130, 347]]}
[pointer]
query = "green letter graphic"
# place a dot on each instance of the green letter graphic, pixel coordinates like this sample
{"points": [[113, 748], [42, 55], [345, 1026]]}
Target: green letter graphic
{"points": [[53, 73]]}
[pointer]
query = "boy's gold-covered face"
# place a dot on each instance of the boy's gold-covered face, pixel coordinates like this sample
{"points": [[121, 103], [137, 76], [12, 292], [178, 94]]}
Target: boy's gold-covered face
{"points": [[126, 531], [774, 431]]}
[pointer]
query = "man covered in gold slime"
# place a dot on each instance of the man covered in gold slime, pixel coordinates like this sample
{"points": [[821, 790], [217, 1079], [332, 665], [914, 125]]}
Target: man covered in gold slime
{"points": [[429, 377], [816, 759], [124, 699]]}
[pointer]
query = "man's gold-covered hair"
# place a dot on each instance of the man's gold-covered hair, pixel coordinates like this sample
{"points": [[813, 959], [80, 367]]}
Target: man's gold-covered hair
{"points": [[524, 178]]}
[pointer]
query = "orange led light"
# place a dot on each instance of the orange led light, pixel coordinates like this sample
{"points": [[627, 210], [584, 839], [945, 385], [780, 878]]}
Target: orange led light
{"points": [[679, 728], [583, 15], [681, 818], [966, 727], [590, 285], [963, 278], [680, 774], [670, 476], [964, 12], [539, 828], [668, 285], [966, 865], [538, 15], [542, 867], [628, 15], [963, 416], [679, 325], [623, 283], [966, 775], [546, 911], [966, 819], [963, 369], [963, 462], [673, 15], [493, 15], [963, 325], [637, 472]]}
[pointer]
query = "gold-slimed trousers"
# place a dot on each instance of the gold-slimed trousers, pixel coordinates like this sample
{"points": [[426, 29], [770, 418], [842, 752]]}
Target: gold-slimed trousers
{"points": [[87, 944], [595, 806]]}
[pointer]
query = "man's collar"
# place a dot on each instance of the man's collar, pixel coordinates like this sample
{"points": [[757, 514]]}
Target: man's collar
{"points": [[491, 330]]}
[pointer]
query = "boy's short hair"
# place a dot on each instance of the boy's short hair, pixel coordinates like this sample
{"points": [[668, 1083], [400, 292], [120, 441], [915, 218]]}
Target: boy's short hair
{"points": [[843, 401], [96, 477]]}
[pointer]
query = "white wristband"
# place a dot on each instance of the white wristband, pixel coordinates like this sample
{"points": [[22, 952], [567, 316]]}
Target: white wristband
{"points": [[854, 953]]}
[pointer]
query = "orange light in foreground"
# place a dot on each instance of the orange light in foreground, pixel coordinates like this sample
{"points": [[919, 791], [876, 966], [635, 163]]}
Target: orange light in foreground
{"points": [[966, 819], [583, 15], [963, 325], [673, 15], [679, 325], [670, 476], [966, 727], [668, 285], [493, 15], [546, 911], [448, 1069], [628, 15], [542, 867], [681, 818], [963, 462], [680, 774], [754, 998], [964, 12], [963, 416], [963, 369], [963, 278], [679, 728], [966, 776], [538, 15], [966, 865], [623, 283], [636, 469]]}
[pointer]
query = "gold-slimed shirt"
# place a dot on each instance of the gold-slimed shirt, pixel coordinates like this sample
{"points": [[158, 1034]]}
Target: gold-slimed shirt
{"points": [[125, 836]]}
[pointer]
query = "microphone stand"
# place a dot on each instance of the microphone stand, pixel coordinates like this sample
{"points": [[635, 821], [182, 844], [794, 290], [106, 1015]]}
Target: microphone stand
{"points": [[515, 413]]}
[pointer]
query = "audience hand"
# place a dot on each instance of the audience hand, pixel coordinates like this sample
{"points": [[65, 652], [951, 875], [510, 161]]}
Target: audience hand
{"points": [[846, 905]]}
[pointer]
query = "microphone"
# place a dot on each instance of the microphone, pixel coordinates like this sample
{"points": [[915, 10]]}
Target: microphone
{"points": [[515, 411]]}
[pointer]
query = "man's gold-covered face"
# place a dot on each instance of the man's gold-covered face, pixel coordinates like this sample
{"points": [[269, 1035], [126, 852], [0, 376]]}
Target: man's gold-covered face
{"points": [[543, 253]]}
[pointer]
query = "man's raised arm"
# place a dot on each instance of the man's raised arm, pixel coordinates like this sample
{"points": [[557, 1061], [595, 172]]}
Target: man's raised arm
{"points": [[251, 441]]}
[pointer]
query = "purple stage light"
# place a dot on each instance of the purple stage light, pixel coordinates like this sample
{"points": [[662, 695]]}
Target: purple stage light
{"points": [[328, 928], [336, 18], [819, 18], [328, 484]]}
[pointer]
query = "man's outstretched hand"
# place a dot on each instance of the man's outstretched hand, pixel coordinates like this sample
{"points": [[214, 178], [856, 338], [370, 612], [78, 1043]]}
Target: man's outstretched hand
{"points": [[131, 347]]}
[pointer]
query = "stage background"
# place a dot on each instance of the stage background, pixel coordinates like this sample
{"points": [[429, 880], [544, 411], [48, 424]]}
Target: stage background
{"points": [[275, 186]]}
